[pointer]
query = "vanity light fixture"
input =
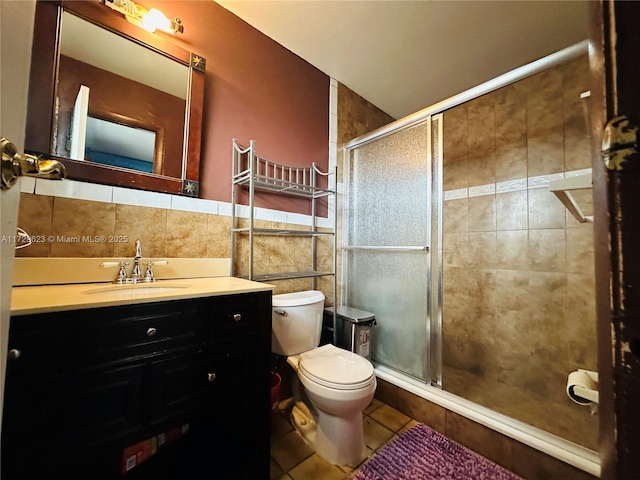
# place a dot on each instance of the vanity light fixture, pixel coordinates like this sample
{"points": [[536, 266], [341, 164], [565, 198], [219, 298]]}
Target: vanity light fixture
{"points": [[150, 20]]}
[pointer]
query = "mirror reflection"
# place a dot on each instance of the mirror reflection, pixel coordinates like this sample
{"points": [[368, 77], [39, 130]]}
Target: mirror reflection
{"points": [[117, 102], [103, 145]]}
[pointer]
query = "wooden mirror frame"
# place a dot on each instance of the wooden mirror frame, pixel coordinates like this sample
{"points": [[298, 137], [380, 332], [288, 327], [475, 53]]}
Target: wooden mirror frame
{"points": [[42, 84]]}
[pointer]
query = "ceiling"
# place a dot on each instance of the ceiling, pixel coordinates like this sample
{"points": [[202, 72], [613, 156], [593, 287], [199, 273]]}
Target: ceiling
{"points": [[403, 55]]}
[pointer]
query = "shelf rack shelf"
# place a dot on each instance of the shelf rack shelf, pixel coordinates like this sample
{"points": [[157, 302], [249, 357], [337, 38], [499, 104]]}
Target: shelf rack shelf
{"points": [[257, 174]]}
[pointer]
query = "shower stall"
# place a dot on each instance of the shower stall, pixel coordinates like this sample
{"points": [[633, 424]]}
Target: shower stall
{"points": [[481, 281]]}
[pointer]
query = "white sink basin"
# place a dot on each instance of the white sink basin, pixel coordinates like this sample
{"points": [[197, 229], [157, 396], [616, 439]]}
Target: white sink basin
{"points": [[135, 289]]}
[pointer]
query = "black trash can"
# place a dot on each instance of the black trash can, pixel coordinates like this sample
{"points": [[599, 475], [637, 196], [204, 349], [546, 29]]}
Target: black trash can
{"points": [[353, 329]]}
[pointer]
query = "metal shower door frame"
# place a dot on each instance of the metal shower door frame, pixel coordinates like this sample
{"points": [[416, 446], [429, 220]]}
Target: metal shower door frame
{"points": [[433, 293]]}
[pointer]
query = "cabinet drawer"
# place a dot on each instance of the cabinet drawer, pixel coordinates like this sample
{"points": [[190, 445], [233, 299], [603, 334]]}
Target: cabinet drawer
{"points": [[231, 317], [120, 334]]}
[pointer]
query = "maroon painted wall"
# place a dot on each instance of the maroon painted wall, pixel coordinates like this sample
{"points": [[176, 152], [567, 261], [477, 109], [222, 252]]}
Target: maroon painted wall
{"points": [[255, 89]]}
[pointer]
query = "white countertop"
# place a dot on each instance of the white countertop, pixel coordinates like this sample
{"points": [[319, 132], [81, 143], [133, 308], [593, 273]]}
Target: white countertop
{"points": [[54, 298]]}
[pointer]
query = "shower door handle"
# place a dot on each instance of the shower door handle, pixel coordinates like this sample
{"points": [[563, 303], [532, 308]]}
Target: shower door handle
{"points": [[398, 248]]}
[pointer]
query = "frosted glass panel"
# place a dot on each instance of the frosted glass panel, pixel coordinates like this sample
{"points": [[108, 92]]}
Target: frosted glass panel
{"points": [[388, 190], [393, 287], [388, 206]]}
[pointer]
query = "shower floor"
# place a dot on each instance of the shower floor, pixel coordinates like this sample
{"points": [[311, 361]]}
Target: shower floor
{"points": [[569, 420]]}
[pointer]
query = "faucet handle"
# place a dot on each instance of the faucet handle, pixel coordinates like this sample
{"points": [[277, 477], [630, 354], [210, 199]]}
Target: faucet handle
{"points": [[148, 276], [109, 264], [122, 272]]}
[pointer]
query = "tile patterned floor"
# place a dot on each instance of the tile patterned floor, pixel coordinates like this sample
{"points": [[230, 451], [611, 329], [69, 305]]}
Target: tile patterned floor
{"points": [[293, 459]]}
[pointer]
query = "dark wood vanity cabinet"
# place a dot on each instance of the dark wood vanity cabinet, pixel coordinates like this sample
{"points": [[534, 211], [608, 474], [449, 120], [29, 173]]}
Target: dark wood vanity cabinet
{"points": [[85, 387]]}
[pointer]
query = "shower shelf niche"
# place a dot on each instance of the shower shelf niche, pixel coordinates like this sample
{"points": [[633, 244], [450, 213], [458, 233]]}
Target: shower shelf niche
{"points": [[256, 174]]}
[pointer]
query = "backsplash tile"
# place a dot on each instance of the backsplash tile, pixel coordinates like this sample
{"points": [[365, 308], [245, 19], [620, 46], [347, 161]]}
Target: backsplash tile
{"points": [[36, 218], [144, 223], [186, 234], [74, 189], [142, 198], [189, 204], [27, 184], [218, 237], [166, 232], [78, 226]]}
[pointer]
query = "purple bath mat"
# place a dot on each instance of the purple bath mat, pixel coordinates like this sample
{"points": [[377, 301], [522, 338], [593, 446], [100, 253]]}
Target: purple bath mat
{"points": [[421, 453]]}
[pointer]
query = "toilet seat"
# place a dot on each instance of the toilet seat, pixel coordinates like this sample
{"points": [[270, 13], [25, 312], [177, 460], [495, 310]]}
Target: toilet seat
{"points": [[336, 368]]}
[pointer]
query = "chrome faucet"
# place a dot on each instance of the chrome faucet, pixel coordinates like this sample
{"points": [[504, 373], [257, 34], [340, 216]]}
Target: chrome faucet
{"points": [[136, 274]]}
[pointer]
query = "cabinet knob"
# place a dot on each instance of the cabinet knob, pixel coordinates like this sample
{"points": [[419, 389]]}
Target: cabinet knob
{"points": [[211, 376], [237, 317], [14, 354], [151, 332]]}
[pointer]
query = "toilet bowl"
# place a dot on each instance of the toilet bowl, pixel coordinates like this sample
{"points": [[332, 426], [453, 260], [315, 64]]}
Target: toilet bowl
{"points": [[332, 386], [339, 384]]}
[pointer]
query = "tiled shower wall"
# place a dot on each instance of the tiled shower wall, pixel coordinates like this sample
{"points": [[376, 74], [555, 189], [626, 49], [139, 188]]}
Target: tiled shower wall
{"points": [[518, 269]]}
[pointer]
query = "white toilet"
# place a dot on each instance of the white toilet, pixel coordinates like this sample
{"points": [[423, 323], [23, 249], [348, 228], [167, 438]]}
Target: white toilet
{"points": [[338, 384]]}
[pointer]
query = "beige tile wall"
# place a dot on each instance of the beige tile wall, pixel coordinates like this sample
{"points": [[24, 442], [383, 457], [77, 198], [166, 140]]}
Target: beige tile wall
{"points": [[164, 232], [357, 116], [519, 292], [287, 254]]}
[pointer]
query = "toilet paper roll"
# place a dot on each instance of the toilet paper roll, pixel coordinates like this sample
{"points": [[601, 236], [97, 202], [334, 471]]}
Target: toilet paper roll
{"points": [[581, 388]]}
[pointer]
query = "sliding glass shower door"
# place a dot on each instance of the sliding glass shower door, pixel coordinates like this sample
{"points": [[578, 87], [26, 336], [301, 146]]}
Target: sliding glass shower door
{"points": [[387, 238]]}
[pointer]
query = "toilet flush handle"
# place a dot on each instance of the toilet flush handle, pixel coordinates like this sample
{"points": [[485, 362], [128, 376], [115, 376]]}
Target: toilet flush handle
{"points": [[281, 312]]}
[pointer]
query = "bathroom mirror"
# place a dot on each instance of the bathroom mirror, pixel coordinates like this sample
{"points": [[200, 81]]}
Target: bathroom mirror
{"points": [[124, 108]]}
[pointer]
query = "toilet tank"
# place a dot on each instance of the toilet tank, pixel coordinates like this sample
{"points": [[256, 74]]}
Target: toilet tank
{"points": [[296, 322]]}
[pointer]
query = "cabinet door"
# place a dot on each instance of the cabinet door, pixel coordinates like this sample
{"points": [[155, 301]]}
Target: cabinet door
{"points": [[192, 386], [52, 423], [232, 317], [40, 345]]}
